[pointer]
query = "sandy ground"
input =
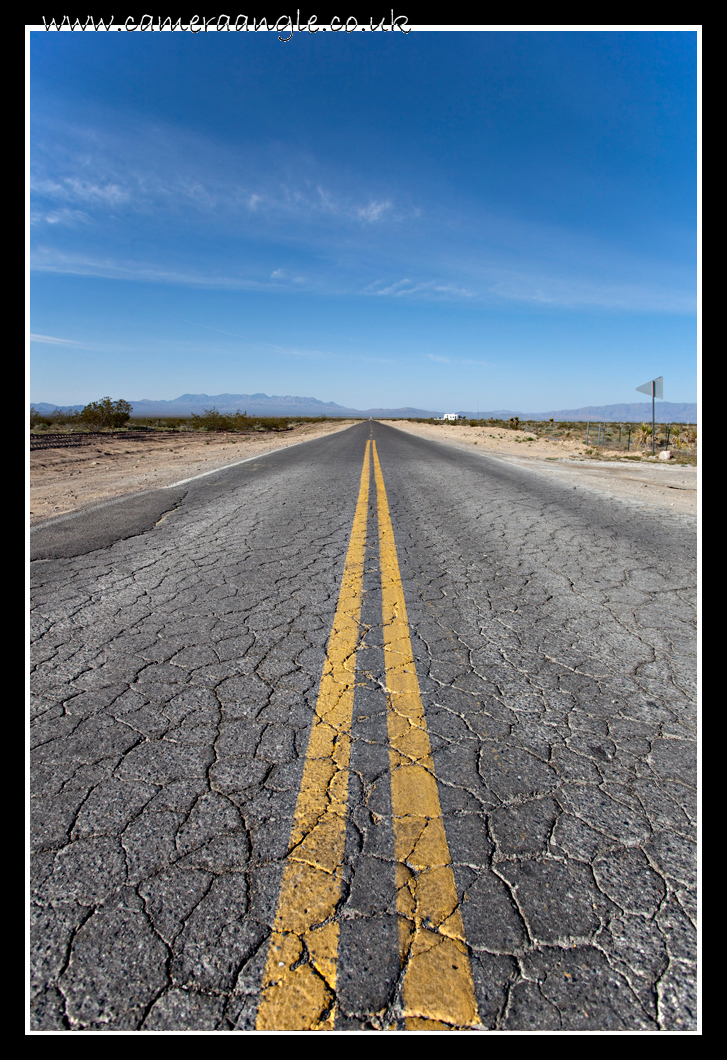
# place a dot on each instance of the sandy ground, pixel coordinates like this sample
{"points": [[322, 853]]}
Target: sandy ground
{"points": [[652, 482], [62, 480]]}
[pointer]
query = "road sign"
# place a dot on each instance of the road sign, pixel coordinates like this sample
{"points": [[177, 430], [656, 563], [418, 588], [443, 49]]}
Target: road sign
{"points": [[655, 387], [656, 384]]}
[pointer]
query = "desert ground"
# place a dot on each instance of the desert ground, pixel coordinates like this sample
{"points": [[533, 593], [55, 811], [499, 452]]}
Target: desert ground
{"points": [[647, 481], [63, 480]]}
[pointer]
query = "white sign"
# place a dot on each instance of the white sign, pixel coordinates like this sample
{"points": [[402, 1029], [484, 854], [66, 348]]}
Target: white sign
{"points": [[656, 384]]}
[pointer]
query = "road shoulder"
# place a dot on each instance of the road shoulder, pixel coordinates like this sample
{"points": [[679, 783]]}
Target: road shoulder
{"points": [[75, 479], [669, 487]]}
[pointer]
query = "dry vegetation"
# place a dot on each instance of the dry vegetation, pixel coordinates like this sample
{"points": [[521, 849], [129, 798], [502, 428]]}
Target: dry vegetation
{"points": [[595, 441], [113, 416]]}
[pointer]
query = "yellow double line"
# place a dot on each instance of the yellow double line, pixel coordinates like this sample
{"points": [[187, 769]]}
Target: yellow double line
{"points": [[299, 982]]}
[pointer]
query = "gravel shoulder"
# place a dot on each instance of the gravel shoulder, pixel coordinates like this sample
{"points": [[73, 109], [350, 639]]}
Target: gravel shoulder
{"points": [[65, 480], [666, 486]]}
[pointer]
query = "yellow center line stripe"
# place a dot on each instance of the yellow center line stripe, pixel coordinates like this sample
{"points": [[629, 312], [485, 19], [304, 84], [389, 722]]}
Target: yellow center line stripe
{"points": [[299, 982], [438, 991]]}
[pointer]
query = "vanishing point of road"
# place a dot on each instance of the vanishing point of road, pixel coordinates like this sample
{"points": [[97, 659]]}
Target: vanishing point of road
{"points": [[368, 733]]}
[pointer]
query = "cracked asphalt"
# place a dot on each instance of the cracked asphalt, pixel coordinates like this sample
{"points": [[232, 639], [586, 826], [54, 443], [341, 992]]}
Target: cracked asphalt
{"points": [[175, 680]]}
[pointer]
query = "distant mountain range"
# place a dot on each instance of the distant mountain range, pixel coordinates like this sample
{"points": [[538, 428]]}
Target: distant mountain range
{"points": [[275, 405], [632, 412], [254, 404]]}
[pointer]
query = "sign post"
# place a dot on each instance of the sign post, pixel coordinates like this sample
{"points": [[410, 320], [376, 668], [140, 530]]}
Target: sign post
{"points": [[655, 387]]}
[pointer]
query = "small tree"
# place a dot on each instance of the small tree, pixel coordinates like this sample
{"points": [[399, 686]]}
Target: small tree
{"points": [[106, 413], [37, 419]]}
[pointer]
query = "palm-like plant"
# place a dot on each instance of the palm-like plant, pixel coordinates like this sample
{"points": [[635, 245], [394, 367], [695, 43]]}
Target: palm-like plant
{"points": [[645, 430]]}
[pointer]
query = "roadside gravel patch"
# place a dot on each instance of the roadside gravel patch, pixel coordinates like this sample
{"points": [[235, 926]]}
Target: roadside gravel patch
{"points": [[64, 480]]}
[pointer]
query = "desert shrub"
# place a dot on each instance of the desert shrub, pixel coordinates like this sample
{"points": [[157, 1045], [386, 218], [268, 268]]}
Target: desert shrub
{"points": [[105, 413], [213, 420], [643, 433], [39, 419], [167, 423], [57, 418]]}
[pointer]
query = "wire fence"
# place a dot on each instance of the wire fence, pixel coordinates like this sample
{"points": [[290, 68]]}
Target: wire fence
{"points": [[635, 437]]}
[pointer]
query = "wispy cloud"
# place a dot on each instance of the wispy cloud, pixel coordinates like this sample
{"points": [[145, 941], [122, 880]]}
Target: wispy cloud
{"points": [[207, 327], [102, 192], [46, 259], [405, 287], [52, 341], [374, 211], [151, 168], [574, 294], [282, 274], [393, 288], [64, 216]]}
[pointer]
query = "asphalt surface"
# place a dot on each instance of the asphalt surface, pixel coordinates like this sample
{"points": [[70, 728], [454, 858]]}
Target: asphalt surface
{"points": [[179, 638]]}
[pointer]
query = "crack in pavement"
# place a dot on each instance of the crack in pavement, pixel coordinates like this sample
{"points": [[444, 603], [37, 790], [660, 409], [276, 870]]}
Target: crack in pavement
{"points": [[553, 645]]}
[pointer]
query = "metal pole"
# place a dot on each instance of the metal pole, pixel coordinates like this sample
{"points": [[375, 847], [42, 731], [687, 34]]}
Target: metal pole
{"points": [[653, 419], [619, 434], [588, 424], [628, 444]]}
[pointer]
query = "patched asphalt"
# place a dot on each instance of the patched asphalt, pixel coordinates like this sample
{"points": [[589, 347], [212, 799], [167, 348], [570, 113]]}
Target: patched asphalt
{"points": [[178, 642]]}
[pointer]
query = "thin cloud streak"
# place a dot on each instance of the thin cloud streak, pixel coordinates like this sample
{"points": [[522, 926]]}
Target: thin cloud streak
{"points": [[571, 294], [540, 292], [108, 269], [195, 324], [433, 287], [50, 340]]}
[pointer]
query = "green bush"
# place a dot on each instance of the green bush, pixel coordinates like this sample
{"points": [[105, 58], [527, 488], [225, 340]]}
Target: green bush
{"points": [[105, 413]]}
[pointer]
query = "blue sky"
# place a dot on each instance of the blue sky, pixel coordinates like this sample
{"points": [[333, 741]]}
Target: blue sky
{"points": [[502, 220]]}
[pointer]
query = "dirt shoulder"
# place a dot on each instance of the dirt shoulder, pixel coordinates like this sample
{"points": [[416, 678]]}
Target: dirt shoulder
{"points": [[63, 480], [660, 485]]}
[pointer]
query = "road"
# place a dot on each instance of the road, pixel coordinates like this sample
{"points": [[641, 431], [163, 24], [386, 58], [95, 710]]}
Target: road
{"points": [[370, 733]]}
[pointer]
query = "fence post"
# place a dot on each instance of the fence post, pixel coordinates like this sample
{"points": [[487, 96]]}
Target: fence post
{"points": [[628, 446], [588, 424]]}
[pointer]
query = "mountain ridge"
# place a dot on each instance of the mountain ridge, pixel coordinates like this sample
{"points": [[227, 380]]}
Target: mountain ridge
{"points": [[290, 405]]}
